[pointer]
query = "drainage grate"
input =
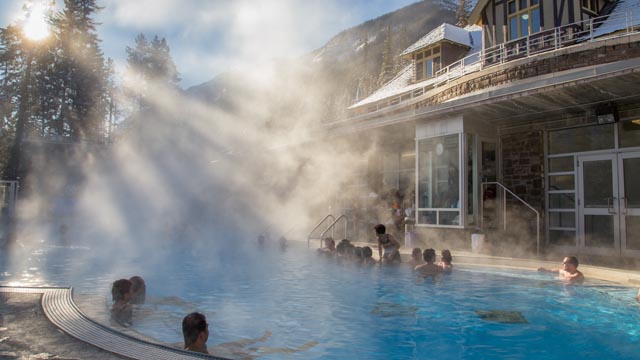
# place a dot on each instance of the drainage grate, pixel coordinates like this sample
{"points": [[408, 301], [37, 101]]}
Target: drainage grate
{"points": [[58, 306]]}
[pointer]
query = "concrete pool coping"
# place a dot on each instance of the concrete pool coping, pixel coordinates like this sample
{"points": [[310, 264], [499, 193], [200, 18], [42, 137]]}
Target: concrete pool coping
{"points": [[61, 310]]}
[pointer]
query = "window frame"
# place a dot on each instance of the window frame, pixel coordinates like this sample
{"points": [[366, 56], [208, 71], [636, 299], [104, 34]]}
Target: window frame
{"points": [[424, 58], [533, 7]]}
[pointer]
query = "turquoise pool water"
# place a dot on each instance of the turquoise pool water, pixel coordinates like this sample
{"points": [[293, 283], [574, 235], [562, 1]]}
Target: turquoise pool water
{"points": [[351, 311]]}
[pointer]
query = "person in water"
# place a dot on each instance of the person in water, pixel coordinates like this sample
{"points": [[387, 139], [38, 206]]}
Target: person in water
{"points": [[121, 311], [138, 290], [569, 271], [446, 260], [195, 331], [428, 268], [388, 246], [416, 257]]}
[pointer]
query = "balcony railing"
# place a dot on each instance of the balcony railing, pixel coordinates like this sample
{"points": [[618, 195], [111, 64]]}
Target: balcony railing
{"points": [[590, 30]]}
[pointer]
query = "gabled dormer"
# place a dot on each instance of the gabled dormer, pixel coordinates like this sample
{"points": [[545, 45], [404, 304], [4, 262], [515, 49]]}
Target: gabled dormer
{"points": [[441, 47]]}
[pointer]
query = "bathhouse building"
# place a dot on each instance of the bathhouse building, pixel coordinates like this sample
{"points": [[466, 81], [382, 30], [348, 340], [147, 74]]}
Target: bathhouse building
{"points": [[525, 124]]}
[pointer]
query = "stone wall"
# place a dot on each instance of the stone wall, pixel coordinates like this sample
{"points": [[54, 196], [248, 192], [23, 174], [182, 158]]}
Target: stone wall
{"points": [[522, 166]]}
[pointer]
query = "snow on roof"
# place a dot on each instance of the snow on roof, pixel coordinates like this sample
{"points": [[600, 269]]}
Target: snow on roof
{"points": [[442, 32], [623, 15], [402, 82]]}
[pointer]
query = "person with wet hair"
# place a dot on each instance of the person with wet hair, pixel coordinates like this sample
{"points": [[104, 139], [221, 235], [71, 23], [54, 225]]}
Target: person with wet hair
{"points": [[329, 247], [388, 246], [416, 258], [446, 260], [195, 331], [367, 255], [569, 271], [138, 290], [343, 248], [428, 268], [358, 255], [121, 311]]}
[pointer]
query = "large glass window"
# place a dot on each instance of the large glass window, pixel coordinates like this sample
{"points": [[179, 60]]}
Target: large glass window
{"points": [[439, 181], [427, 63], [523, 18], [586, 138], [629, 133]]}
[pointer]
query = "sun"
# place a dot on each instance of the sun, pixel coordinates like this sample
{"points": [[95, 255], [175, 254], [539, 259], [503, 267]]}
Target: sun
{"points": [[35, 26]]}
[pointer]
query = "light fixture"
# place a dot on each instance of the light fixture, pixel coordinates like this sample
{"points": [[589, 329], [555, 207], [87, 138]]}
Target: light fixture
{"points": [[605, 119]]}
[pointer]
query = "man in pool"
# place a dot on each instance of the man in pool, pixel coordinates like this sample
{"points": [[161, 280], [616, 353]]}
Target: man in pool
{"points": [[569, 270], [196, 332]]}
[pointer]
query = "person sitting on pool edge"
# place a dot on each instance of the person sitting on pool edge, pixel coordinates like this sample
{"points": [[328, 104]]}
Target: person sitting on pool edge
{"points": [[428, 268], [387, 242], [195, 331], [121, 311], [569, 270]]}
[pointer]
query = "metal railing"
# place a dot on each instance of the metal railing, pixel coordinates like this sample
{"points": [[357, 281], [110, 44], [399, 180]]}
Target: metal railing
{"points": [[504, 210], [309, 237], [332, 226], [8, 197], [589, 30]]}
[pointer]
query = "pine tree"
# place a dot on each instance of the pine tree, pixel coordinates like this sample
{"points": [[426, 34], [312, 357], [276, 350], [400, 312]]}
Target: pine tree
{"points": [[386, 69], [80, 71], [462, 13], [150, 63]]}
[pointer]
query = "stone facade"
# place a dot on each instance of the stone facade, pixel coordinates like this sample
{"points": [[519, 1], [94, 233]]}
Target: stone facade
{"points": [[555, 61], [522, 166]]}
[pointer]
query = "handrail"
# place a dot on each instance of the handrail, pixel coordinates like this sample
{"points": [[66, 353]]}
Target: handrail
{"points": [[334, 224], [504, 210], [317, 226]]}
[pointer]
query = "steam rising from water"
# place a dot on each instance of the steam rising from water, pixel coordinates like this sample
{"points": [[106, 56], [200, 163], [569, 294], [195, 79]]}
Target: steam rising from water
{"points": [[202, 175]]}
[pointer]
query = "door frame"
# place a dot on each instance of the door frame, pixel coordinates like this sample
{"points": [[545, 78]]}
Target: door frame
{"points": [[624, 210], [613, 209]]}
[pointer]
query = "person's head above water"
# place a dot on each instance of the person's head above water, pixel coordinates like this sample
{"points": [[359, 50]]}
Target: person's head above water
{"points": [[121, 290], [195, 331], [138, 290], [429, 255], [570, 263], [446, 257], [380, 229], [416, 253]]}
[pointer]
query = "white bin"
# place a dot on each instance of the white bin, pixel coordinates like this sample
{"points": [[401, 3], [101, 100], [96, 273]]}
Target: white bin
{"points": [[477, 242]]}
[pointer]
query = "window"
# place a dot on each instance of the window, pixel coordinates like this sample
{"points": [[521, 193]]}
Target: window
{"points": [[439, 181], [523, 18], [427, 63]]}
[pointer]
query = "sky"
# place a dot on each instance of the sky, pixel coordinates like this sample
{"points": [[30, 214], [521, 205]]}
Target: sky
{"points": [[209, 37]]}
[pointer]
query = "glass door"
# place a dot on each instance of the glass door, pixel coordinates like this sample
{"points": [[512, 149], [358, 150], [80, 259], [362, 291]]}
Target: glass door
{"points": [[599, 205], [629, 165]]}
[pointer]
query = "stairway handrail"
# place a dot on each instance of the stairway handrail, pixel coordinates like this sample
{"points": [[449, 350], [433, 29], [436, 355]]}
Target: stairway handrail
{"points": [[334, 224], [317, 226], [504, 211]]}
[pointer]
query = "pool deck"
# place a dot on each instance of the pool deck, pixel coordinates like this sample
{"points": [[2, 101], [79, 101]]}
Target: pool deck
{"points": [[46, 323]]}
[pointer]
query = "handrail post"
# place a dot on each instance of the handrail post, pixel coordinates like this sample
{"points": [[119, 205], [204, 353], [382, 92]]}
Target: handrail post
{"points": [[506, 190], [317, 226]]}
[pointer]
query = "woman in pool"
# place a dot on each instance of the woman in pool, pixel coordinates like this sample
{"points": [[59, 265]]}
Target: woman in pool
{"points": [[387, 242], [121, 311], [445, 260]]}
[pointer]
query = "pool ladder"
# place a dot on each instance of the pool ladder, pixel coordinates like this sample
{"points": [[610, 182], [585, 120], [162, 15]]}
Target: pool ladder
{"points": [[329, 227]]}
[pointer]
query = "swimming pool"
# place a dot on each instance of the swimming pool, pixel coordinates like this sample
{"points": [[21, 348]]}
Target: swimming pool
{"points": [[354, 311]]}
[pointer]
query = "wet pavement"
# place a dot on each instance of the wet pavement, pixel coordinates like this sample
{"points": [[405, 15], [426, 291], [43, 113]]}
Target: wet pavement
{"points": [[26, 333]]}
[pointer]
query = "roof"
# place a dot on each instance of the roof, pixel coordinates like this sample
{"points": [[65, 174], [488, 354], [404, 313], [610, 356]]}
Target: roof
{"points": [[402, 82], [474, 17], [443, 32]]}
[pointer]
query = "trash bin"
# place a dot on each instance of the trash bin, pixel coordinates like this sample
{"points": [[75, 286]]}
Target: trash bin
{"points": [[477, 242], [409, 232]]}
